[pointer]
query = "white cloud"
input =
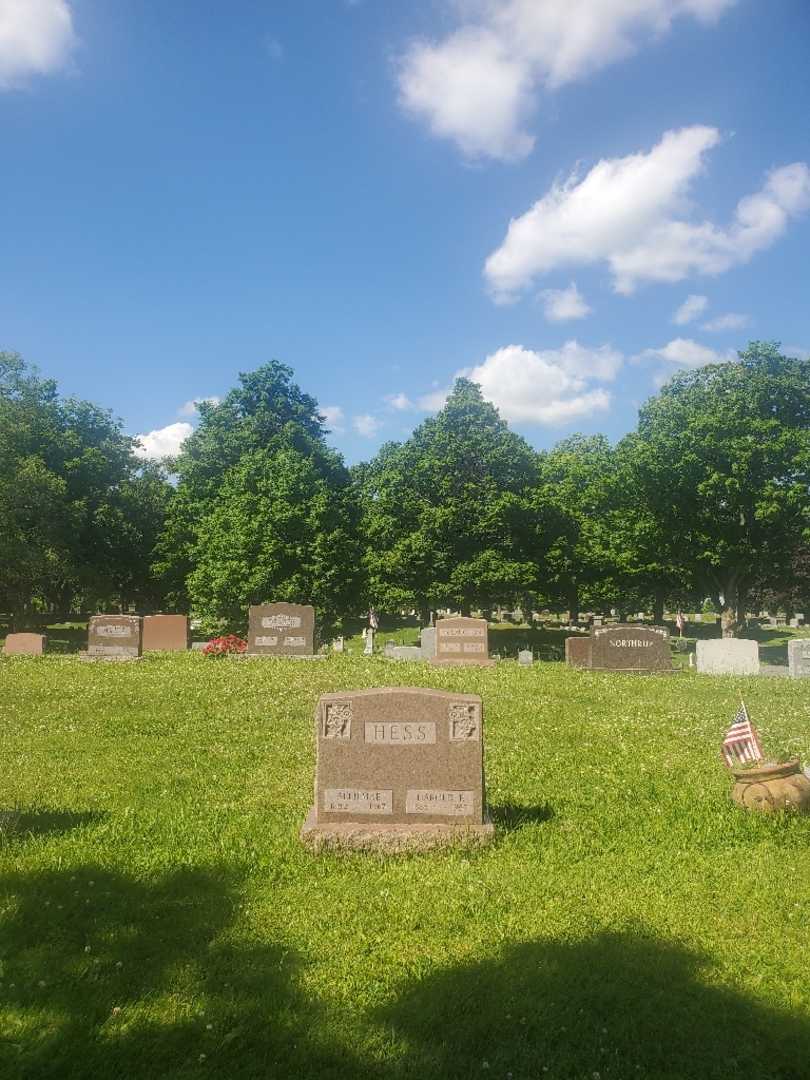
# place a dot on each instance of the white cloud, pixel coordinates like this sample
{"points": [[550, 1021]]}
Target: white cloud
{"points": [[401, 402], [560, 305], [690, 309], [797, 351], [334, 417], [275, 50], [366, 425], [623, 212], [189, 408], [479, 85], [435, 399], [731, 321], [163, 442], [36, 38], [687, 353]]}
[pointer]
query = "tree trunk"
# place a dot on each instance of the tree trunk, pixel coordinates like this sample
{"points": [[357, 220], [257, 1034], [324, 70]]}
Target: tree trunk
{"points": [[573, 604], [658, 608], [729, 621], [424, 614]]}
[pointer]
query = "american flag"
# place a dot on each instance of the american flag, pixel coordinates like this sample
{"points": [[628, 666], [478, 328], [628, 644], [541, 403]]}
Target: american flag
{"points": [[741, 745]]}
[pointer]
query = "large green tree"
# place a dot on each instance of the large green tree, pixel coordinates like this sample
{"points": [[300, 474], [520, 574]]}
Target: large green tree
{"points": [[76, 526], [451, 516], [264, 508], [722, 459]]}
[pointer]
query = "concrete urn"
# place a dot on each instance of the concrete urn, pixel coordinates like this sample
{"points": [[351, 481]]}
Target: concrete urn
{"points": [[772, 787]]}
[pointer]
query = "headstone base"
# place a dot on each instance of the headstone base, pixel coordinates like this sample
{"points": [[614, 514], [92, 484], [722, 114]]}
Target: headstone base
{"points": [[390, 839], [92, 657], [275, 656], [461, 663]]}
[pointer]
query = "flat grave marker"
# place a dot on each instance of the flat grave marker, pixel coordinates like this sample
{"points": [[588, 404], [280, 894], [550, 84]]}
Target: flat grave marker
{"points": [[397, 767]]}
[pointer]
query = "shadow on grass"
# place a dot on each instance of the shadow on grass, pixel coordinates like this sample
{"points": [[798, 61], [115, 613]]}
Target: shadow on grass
{"points": [[25, 823], [511, 816], [105, 975], [614, 1006]]}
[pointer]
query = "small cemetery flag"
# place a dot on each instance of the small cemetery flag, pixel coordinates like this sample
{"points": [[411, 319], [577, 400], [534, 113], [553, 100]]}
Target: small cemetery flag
{"points": [[741, 745]]}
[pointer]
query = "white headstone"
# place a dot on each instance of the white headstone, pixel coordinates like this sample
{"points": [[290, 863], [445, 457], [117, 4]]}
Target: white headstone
{"points": [[428, 642], [799, 658], [369, 646], [728, 656], [525, 657]]}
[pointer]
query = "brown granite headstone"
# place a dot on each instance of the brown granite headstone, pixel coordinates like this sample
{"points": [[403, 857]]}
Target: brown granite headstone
{"points": [[396, 768], [630, 648], [165, 633], [578, 651], [281, 630], [114, 636], [25, 645], [462, 641]]}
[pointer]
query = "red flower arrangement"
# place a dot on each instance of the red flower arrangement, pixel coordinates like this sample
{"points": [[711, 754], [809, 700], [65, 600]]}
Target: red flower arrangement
{"points": [[222, 646]]}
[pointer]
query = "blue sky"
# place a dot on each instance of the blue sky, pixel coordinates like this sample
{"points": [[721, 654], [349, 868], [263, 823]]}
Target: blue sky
{"points": [[191, 189]]}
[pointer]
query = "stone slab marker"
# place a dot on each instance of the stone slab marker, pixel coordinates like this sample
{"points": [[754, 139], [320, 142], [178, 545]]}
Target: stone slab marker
{"points": [[115, 637], [427, 642], [630, 648], [281, 630], [799, 658], [525, 657], [25, 645], [578, 651], [167, 633], [728, 656], [462, 641], [397, 768]]}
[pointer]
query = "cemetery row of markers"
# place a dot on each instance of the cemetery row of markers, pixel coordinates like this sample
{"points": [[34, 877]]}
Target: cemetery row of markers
{"points": [[402, 768]]}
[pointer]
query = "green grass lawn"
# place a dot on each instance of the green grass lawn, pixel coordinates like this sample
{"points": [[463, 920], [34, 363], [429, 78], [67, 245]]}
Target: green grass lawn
{"points": [[159, 917]]}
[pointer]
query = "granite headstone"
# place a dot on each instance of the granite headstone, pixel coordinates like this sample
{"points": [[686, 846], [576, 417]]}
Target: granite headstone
{"points": [[578, 652], [630, 648], [427, 641], [799, 658], [727, 656], [397, 767], [114, 637], [25, 645], [165, 633], [281, 630], [462, 641]]}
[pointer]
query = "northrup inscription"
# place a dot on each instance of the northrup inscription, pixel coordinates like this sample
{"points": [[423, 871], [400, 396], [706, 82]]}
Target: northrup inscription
{"points": [[397, 765], [630, 648], [281, 630], [462, 641]]}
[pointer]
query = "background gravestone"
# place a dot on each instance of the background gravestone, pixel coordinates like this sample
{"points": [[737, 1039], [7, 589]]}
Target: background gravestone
{"points": [[728, 656], [167, 633], [25, 645], [462, 641], [578, 651], [427, 642], [630, 648], [525, 657], [799, 658], [114, 636], [397, 767], [281, 630]]}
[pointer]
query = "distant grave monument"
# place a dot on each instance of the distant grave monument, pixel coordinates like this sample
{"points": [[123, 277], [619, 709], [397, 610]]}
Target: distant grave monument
{"points": [[799, 658], [427, 642], [462, 641], [397, 768], [402, 652], [281, 630], [166, 633], [578, 652], [114, 637], [25, 645], [629, 648], [525, 657], [727, 656]]}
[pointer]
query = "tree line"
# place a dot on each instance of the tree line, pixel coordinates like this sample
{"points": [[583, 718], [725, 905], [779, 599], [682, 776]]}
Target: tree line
{"points": [[709, 497]]}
